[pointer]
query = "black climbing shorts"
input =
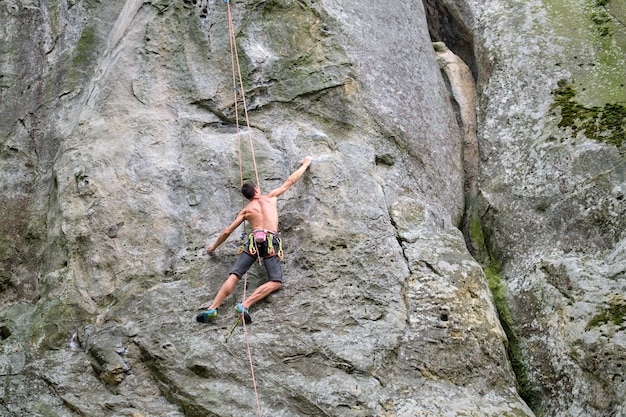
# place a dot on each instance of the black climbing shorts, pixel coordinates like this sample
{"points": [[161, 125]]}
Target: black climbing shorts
{"points": [[272, 266]]}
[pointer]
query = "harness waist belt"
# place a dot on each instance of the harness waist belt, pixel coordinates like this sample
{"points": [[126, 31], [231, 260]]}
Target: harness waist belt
{"points": [[264, 239]]}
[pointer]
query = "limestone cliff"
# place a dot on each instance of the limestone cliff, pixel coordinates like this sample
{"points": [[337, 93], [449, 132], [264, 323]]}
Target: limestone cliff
{"points": [[551, 128], [120, 161]]}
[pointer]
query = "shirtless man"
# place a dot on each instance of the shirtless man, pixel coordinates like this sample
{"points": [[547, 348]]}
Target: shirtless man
{"points": [[262, 214]]}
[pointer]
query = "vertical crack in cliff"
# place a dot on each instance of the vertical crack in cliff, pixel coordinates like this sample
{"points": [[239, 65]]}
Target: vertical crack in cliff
{"points": [[445, 26], [401, 245], [460, 83], [454, 47], [123, 22]]}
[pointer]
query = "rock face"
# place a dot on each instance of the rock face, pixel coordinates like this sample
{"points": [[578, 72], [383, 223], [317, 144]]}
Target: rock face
{"points": [[120, 160], [551, 194]]}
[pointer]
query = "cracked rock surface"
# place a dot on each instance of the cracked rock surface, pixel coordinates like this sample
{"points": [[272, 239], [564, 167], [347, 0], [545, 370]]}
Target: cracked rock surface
{"points": [[128, 166], [119, 162]]}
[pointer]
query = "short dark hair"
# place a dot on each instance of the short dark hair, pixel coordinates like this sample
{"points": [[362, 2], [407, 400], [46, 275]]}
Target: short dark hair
{"points": [[248, 190]]}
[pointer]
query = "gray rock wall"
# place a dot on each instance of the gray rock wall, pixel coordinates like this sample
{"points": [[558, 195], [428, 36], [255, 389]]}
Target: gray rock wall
{"points": [[552, 191], [130, 153], [119, 158]]}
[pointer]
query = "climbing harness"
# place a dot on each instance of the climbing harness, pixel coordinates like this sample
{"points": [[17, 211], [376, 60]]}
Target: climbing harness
{"points": [[260, 236], [250, 244]]}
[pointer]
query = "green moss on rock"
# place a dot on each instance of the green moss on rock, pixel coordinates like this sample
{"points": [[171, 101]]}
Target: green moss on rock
{"points": [[307, 58], [493, 273], [593, 42], [516, 356], [84, 56], [602, 19], [604, 124], [13, 219], [615, 313], [86, 46], [53, 322]]}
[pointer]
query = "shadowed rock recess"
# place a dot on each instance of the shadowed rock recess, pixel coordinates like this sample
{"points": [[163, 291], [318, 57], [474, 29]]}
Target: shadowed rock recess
{"points": [[119, 162]]}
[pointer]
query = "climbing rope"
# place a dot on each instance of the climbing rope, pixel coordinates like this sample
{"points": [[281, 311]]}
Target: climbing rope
{"points": [[236, 73]]}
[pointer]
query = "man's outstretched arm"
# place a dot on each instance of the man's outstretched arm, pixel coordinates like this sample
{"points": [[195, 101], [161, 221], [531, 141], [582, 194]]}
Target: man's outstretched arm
{"points": [[293, 178], [226, 232]]}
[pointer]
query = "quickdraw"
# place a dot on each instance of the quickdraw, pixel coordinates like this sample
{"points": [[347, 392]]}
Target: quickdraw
{"points": [[232, 330]]}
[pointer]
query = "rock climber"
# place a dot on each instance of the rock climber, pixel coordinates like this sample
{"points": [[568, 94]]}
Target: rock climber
{"points": [[263, 243]]}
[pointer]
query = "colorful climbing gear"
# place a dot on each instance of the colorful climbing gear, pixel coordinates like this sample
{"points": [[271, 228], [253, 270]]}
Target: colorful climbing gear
{"points": [[251, 243], [232, 330]]}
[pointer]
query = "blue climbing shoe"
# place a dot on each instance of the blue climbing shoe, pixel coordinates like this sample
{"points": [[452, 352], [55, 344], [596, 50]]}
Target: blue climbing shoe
{"points": [[207, 315], [246, 314]]}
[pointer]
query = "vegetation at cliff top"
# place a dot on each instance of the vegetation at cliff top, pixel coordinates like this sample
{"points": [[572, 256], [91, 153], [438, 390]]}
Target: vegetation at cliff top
{"points": [[592, 35]]}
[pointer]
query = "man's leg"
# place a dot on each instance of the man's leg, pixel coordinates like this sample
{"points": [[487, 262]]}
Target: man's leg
{"points": [[274, 275], [261, 292], [244, 262], [227, 288]]}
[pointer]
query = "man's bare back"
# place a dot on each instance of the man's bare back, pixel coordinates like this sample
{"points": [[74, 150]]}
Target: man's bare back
{"points": [[262, 213]]}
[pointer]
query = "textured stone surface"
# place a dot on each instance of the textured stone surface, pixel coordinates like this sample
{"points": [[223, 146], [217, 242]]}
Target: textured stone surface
{"points": [[552, 197], [119, 162], [120, 145]]}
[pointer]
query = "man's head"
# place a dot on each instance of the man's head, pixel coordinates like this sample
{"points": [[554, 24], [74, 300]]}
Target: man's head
{"points": [[248, 190]]}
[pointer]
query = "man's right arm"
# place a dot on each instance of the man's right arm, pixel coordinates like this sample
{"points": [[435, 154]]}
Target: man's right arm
{"points": [[227, 232], [292, 179]]}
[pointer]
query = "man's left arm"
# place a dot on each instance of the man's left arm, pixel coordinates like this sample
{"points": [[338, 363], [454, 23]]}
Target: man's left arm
{"points": [[293, 178]]}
